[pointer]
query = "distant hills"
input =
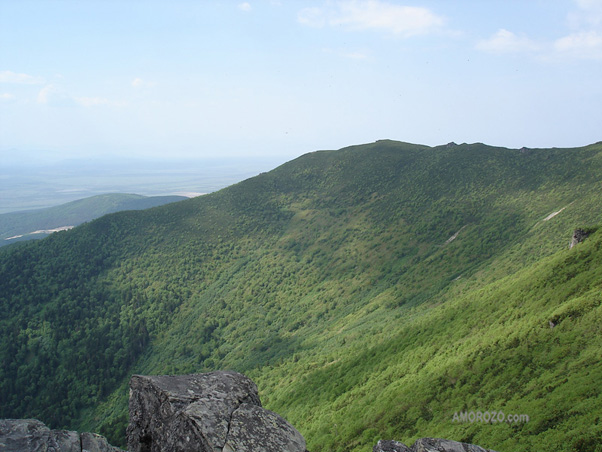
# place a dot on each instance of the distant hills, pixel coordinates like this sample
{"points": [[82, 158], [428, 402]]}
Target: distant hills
{"points": [[39, 223], [379, 291]]}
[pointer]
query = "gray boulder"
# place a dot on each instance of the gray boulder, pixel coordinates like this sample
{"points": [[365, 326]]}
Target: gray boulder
{"points": [[213, 412], [29, 435], [91, 442], [445, 445], [579, 235], [251, 425], [390, 446], [428, 445]]}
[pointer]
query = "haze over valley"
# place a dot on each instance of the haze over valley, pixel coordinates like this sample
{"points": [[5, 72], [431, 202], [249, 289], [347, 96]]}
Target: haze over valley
{"points": [[30, 183]]}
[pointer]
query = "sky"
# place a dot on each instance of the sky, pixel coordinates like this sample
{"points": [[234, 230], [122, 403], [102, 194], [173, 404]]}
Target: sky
{"points": [[229, 79]]}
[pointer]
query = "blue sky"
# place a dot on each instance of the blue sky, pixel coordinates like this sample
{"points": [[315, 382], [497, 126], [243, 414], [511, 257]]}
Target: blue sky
{"points": [[185, 79]]}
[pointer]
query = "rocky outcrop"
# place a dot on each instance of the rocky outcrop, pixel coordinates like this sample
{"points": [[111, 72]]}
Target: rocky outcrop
{"points": [[29, 435], [445, 445], [428, 445], [579, 235], [213, 412], [390, 446]]}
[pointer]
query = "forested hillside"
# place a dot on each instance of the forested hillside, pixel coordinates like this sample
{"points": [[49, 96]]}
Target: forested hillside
{"points": [[27, 225], [371, 292]]}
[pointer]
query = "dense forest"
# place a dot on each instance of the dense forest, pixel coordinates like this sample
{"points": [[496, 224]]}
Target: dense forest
{"points": [[371, 292]]}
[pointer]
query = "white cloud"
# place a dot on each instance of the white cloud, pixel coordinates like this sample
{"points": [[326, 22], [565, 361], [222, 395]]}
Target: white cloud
{"points": [[589, 13], [55, 97], [585, 4], [312, 17], [7, 97], [13, 77], [140, 83], [587, 45], [585, 39], [355, 55], [505, 41], [404, 21], [245, 6]]}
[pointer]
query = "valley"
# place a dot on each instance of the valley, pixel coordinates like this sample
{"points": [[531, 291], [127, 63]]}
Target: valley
{"points": [[39, 223]]}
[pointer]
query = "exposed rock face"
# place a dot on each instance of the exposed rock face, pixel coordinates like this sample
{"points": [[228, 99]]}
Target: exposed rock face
{"points": [[445, 445], [30, 435], [213, 412], [390, 446], [428, 445], [579, 235]]}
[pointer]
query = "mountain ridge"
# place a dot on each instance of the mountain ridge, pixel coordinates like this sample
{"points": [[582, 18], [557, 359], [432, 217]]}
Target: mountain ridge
{"points": [[312, 278]]}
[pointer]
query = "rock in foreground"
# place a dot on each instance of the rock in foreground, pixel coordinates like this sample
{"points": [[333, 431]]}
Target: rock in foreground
{"points": [[390, 446], [428, 445], [213, 412], [29, 435]]}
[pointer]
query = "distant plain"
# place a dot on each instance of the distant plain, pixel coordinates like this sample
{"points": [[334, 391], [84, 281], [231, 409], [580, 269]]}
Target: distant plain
{"points": [[26, 186]]}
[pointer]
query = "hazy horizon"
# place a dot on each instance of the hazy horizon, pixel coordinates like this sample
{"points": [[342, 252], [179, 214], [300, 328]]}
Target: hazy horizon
{"points": [[266, 78], [37, 185]]}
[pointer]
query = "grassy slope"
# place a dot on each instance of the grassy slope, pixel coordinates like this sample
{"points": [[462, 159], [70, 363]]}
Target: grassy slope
{"points": [[75, 213], [329, 281], [486, 349]]}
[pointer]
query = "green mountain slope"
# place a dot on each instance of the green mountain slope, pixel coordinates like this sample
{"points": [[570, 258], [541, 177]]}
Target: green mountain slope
{"points": [[33, 224], [526, 344], [371, 292]]}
